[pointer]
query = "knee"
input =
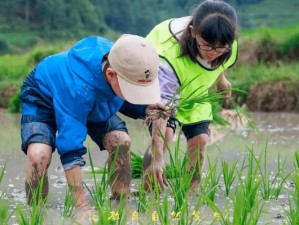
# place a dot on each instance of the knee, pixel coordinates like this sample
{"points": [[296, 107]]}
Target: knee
{"points": [[198, 142], [39, 154], [117, 140]]}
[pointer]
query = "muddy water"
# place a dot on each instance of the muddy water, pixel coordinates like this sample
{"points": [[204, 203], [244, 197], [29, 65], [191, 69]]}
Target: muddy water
{"points": [[279, 131]]}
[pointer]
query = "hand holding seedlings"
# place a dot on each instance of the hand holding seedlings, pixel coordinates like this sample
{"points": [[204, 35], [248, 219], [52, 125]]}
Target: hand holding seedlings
{"points": [[156, 111]]}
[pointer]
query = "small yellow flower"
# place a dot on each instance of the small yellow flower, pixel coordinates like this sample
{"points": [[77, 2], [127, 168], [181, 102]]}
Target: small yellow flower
{"points": [[134, 216], [113, 216], [155, 217], [175, 214], [195, 216], [172, 213], [217, 215]]}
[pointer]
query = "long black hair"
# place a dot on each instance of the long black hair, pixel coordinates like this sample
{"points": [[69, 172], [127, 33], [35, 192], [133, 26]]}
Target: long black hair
{"points": [[216, 22]]}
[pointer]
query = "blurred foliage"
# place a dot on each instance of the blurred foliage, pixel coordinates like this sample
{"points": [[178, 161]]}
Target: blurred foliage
{"points": [[14, 105], [62, 19], [33, 29]]}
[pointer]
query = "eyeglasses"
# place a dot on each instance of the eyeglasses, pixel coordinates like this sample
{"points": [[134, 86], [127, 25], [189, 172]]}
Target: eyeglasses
{"points": [[210, 48]]}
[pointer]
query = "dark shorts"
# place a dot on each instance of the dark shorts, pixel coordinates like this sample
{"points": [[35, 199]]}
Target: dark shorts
{"points": [[192, 130], [35, 131], [189, 130]]}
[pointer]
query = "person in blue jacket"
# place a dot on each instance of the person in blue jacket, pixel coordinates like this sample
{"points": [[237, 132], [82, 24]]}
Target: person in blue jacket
{"points": [[77, 93]]}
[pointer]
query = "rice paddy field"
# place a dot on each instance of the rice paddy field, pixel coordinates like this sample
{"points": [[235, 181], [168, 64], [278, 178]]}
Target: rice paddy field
{"points": [[250, 177]]}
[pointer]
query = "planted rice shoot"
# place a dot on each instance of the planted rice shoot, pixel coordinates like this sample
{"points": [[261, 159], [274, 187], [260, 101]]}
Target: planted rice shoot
{"points": [[68, 204], [228, 175], [1, 178], [36, 214], [271, 186], [99, 190], [243, 206], [210, 184], [293, 198]]}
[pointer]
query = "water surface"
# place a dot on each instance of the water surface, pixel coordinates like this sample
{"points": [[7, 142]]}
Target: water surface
{"points": [[278, 131]]}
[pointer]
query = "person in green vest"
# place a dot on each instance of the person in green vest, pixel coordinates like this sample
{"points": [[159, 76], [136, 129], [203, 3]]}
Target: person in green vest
{"points": [[194, 53]]}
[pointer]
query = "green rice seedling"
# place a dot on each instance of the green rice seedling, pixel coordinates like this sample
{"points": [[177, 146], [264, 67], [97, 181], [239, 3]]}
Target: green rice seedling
{"points": [[4, 212], [110, 212], [99, 193], [36, 214], [1, 178], [241, 112], [68, 204], [214, 179], [271, 186], [247, 207], [293, 199], [181, 178], [199, 96], [252, 181], [142, 199], [136, 167], [228, 175], [99, 190], [4, 207], [211, 181], [244, 212], [241, 209], [293, 212], [163, 209], [180, 188]]}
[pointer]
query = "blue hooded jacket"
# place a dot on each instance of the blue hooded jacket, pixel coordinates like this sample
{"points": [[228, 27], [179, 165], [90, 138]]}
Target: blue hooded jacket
{"points": [[72, 85]]}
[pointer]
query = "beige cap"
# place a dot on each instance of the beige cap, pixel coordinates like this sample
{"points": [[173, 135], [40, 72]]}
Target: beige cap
{"points": [[136, 63]]}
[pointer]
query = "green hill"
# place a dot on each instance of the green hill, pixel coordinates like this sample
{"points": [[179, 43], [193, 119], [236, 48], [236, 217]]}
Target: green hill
{"points": [[268, 13]]}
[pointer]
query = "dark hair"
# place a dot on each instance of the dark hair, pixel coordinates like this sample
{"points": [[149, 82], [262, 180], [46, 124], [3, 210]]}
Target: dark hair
{"points": [[215, 21]]}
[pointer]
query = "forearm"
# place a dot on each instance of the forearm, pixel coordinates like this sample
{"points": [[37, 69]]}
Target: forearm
{"points": [[75, 183], [158, 139]]}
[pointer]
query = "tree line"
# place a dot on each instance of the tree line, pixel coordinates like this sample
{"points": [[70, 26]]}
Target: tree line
{"points": [[73, 17]]}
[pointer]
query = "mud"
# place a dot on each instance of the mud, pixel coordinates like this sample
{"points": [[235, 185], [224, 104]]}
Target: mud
{"points": [[282, 95]]}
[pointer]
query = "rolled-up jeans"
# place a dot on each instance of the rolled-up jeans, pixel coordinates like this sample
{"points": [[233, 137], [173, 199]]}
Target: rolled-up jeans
{"points": [[35, 130]]}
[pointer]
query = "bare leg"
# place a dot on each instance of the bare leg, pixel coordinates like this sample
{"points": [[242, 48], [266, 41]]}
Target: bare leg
{"points": [[37, 163], [119, 143], [196, 145]]}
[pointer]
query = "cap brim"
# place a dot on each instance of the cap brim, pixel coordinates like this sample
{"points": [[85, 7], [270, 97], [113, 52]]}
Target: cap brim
{"points": [[141, 95]]}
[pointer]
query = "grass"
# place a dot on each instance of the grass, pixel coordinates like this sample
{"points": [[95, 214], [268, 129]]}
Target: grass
{"points": [[15, 66], [268, 13]]}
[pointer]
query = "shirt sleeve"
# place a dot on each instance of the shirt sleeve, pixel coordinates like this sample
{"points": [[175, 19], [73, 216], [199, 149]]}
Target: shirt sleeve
{"points": [[169, 85], [133, 111], [71, 114]]}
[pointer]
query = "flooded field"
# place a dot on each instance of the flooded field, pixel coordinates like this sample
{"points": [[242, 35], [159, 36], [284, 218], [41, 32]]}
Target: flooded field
{"points": [[278, 132]]}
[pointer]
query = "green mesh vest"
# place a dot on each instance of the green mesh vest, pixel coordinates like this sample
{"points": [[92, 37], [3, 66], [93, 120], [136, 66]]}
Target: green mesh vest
{"points": [[198, 78]]}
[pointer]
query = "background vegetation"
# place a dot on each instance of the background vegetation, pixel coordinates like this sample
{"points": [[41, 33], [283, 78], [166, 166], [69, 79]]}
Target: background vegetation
{"points": [[268, 37]]}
